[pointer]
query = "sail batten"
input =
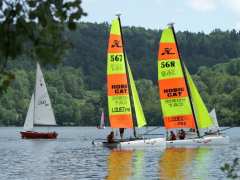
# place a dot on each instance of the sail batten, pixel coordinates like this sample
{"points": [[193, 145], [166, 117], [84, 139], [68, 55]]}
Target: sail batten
{"points": [[173, 92], [119, 106]]}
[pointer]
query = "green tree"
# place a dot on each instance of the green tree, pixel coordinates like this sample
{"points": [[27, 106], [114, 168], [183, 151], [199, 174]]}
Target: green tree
{"points": [[35, 28]]}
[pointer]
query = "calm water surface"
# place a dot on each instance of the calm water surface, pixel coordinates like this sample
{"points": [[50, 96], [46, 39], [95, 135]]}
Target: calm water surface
{"points": [[72, 157]]}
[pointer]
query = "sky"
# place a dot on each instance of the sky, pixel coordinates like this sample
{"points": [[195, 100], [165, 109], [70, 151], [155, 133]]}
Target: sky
{"points": [[191, 15]]}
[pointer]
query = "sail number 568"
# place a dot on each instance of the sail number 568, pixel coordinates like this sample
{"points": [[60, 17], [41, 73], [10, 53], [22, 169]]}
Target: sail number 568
{"points": [[167, 64]]}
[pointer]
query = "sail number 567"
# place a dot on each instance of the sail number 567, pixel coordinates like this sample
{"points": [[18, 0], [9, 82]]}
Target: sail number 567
{"points": [[116, 58]]}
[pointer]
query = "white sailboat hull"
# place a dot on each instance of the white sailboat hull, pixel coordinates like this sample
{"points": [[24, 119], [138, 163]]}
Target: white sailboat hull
{"points": [[204, 141], [135, 143]]}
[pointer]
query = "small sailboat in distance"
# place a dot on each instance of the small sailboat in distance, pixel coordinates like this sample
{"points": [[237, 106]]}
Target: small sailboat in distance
{"points": [[40, 111], [102, 121], [124, 107], [182, 105]]}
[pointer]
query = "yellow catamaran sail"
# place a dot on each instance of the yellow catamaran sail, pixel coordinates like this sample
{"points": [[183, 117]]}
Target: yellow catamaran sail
{"points": [[181, 103], [119, 81]]}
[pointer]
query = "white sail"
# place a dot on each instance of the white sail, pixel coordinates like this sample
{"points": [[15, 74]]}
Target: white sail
{"points": [[28, 124], [102, 124], [213, 115], [43, 114]]}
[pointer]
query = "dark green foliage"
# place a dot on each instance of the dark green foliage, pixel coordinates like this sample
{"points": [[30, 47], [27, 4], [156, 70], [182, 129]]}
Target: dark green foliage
{"points": [[35, 29], [77, 85], [74, 103]]}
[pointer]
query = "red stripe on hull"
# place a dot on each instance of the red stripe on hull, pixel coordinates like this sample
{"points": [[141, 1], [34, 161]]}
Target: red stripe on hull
{"points": [[38, 135]]}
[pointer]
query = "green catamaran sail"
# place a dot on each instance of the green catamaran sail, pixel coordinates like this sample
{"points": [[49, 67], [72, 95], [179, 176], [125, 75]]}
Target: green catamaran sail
{"points": [[203, 118], [137, 104]]}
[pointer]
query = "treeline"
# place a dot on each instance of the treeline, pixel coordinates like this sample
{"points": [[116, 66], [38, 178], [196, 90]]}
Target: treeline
{"points": [[77, 85], [75, 104], [197, 49]]}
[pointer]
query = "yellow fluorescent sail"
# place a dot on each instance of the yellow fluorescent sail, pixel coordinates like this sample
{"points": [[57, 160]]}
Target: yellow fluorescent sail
{"points": [[137, 105], [119, 105], [203, 118]]}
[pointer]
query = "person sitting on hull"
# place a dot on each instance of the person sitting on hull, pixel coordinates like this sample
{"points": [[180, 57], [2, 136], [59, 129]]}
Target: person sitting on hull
{"points": [[121, 131], [182, 134], [172, 136], [110, 137]]}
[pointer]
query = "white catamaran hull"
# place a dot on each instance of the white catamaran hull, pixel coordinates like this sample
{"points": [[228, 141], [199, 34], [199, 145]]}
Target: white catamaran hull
{"points": [[135, 143], [208, 140]]}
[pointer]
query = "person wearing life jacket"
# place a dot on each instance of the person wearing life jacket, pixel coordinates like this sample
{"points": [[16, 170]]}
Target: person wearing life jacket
{"points": [[172, 136], [121, 131], [110, 137], [182, 134]]}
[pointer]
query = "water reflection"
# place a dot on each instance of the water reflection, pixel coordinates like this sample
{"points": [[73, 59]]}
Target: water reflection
{"points": [[180, 163], [125, 164], [119, 164]]}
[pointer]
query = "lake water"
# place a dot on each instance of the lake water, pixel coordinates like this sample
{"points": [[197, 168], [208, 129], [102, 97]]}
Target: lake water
{"points": [[72, 157]]}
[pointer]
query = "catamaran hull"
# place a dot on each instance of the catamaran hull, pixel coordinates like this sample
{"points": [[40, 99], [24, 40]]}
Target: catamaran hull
{"points": [[136, 143], [208, 140], [38, 135]]}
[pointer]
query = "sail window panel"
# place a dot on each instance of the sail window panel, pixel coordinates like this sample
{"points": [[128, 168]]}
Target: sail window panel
{"points": [[169, 69], [183, 121], [116, 63]]}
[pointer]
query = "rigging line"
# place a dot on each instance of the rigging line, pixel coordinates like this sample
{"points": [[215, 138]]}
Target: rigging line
{"points": [[150, 131]]}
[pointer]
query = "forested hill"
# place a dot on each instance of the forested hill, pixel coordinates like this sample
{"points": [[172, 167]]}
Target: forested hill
{"points": [[197, 49], [76, 86]]}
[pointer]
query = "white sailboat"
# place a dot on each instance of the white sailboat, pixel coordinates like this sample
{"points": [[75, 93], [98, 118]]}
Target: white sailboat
{"points": [[40, 111], [213, 115], [182, 105], [102, 121]]}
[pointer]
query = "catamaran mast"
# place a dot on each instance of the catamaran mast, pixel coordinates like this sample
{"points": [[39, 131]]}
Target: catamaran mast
{"points": [[128, 81], [185, 79]]}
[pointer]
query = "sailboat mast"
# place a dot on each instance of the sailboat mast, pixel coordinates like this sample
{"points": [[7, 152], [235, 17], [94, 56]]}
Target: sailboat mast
{"points": [[185, 79], [128, 81]]}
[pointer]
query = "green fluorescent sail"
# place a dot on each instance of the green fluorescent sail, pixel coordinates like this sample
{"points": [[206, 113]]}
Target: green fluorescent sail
{"points": [[203, 118], [137, 105], [167, 36]]}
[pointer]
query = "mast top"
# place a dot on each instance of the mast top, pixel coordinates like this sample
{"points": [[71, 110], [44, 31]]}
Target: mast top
{"points": [[118, 15], [171, 24]]}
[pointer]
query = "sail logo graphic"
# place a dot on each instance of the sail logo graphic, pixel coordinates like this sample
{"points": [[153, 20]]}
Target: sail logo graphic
{"points": [[120, 88], [167, 51], [173, 92], [116, 44]]}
